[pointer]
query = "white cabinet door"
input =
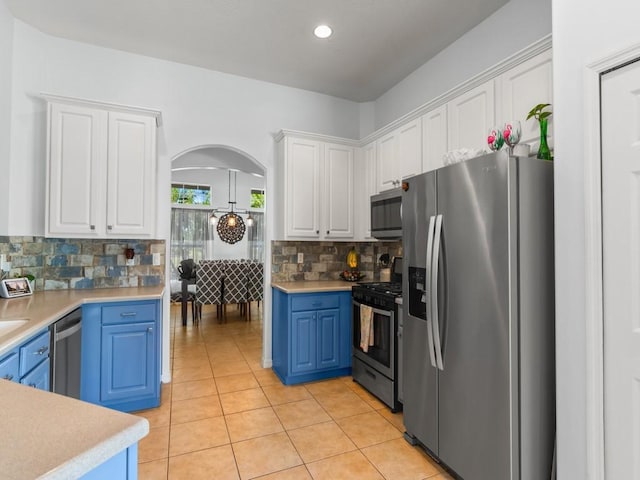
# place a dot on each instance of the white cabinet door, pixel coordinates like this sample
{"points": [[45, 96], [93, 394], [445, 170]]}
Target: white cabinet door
{"points": [[387, 162], [101, 171], [338, 182], [131, 176], [434, 138], [302, 196], [77, 155], [364, 187], [524, 87], [409, 156], [470, 116]]}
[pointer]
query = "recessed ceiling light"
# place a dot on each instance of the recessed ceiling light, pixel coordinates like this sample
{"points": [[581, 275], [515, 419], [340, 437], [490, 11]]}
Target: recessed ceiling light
{"points": [[323, 31]]}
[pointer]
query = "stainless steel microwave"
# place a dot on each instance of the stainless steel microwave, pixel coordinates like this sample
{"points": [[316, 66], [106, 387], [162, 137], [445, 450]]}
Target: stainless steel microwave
{"points": [[386, 214]]}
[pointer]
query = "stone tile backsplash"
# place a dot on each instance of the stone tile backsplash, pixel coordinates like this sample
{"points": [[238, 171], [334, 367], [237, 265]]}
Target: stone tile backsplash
{"points": [[325, 260], [83, 263]]}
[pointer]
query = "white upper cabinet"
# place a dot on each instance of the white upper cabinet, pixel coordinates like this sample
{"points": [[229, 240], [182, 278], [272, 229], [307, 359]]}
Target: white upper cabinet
{"points": [[364, 187], [302, 195], [434, 138], [101, 171], [131, 176], [338, 183], [317, 201], [410, 149], [470, 116], [76, 170], [523, 87], [399, 155]]}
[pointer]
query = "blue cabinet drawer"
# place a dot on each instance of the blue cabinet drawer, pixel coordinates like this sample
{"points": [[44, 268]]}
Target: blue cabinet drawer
{"points": [[34, 352], [39, 377], [131, 313], [314, 302], [9, 369]]}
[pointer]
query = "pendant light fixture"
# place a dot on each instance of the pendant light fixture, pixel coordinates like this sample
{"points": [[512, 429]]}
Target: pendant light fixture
{"points": [[230, 225]]}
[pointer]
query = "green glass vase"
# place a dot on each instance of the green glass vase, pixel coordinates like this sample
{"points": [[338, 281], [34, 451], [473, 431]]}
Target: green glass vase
{"points": [[543, 152]]}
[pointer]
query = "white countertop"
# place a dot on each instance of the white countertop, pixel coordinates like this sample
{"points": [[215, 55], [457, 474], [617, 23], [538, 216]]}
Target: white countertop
{"points": [[43, 308], [313, 286], [45, 435]]}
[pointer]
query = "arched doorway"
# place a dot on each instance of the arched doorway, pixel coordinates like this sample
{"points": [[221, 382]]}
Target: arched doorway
{"points": [[215, 178]]}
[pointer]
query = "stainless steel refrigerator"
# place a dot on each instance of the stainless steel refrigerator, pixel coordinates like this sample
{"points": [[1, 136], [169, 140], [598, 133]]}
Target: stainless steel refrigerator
{"points": [[478, 298]]}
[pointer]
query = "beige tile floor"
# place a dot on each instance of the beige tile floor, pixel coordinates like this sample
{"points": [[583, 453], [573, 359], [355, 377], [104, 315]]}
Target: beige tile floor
{"points": [[225, 417]]}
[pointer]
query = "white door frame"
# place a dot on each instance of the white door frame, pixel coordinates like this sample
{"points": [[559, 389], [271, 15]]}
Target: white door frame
{"points": [[593, 258]]}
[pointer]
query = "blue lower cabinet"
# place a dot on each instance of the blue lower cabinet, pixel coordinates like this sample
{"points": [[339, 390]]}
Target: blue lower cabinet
{"points": [[128, 365], [10, 366], [311, 335], [121, 355], [123, 466], [38, 377], [28, 363]]}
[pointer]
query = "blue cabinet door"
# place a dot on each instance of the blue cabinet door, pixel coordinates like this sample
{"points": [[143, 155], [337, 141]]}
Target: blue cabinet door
{"points": [[128, 362], [9, 366], [303, 342], [38, 377], [328, 338]]}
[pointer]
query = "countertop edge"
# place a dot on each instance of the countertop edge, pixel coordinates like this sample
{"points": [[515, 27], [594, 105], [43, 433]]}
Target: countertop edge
{"points": [[67, 305], [313, 286], [100, 453]]}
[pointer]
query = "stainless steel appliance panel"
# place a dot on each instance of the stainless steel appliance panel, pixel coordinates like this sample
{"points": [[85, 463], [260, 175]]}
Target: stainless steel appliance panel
{"points": [[386, 214], [66, 338], [536, 311], [474, 384], [420, 378]]}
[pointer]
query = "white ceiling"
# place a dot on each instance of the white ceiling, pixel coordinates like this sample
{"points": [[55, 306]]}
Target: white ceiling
{"points": [[376, 43]]}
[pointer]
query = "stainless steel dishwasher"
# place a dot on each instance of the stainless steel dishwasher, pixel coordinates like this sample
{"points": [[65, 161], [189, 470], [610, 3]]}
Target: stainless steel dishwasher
{"points": [[66, 336]]}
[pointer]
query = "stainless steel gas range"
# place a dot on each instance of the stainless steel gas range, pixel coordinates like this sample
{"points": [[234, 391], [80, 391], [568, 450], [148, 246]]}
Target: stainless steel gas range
{"points": [[376, 352]]}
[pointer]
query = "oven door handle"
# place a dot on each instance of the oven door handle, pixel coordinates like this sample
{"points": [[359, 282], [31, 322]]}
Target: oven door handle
{"points": [[427, 285], [386, 313]]}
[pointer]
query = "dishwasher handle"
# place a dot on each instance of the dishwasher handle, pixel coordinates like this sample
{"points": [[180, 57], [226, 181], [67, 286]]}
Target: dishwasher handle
{"points": [[67, 332]]}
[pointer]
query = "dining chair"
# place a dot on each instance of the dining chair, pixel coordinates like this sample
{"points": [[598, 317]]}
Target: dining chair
{"points": [[235, 284], [209, 278], [255, 284]]}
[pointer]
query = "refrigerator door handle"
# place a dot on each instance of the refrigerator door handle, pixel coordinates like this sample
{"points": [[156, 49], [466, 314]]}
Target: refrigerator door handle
{"points": [[427, 286], [434, 292]]}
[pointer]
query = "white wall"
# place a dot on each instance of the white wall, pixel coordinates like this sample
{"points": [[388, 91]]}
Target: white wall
{"points": [[513, 27], [584, 31], [6, 48], [199, 107]]}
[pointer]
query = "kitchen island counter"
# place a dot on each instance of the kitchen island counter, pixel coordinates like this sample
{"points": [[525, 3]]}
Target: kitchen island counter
{"points": [[314, 286], [45, 435], [43, 308]]}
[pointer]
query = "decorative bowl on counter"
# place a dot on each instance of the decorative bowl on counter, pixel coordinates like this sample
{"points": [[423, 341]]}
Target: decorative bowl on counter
{"points": [[351, 276]]}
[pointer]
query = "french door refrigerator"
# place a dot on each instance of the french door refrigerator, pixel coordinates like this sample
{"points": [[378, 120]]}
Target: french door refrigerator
{"points": [[478, 297]]}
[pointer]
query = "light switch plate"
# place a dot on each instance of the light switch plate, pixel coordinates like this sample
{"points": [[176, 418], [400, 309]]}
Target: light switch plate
{"points": [[156, 259], [301, 258]]}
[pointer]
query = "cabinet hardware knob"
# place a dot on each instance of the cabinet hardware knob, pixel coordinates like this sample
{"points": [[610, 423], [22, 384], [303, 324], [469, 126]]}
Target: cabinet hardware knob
{"points": [[8, 376], [317, 232], [41, 351], [110, 227], [92, 227], [327, 232], [150, 329], [128, 314]]}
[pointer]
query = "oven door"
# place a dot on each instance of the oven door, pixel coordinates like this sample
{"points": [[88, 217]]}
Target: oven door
{"points": [[380, 353]]}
